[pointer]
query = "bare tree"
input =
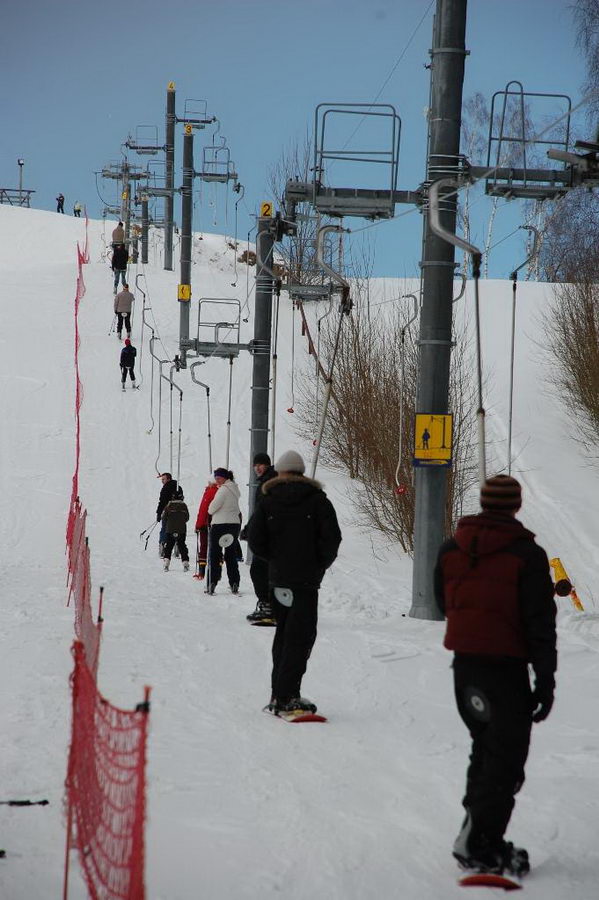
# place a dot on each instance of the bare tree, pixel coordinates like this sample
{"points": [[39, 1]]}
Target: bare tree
{"points": [[376, 366], [572, 340]]}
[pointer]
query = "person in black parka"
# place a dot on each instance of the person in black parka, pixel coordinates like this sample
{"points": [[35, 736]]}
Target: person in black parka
{"points": [[120, 258], [127, 363], [295, 529], [175, 518], [492, 584], [168, 491], [264, 471]]}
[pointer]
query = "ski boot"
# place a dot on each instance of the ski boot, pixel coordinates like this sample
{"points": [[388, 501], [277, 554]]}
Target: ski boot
{"points": [[186, 566], [262, 612], [166, 564]]}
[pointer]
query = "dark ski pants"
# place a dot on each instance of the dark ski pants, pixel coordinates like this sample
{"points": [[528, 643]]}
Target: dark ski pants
{"points": [[179, 540], [123, 319], [130, 370], [259, 576], [293, 642], [216, 552], [495, 702]]}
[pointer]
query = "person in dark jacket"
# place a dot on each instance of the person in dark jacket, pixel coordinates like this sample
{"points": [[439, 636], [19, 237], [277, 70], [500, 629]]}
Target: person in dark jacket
{"points": [[295, 529], [128, 354], [169, 488], [120, 258], [264, 471], [60, 203], [175, 518], [492, 583]]}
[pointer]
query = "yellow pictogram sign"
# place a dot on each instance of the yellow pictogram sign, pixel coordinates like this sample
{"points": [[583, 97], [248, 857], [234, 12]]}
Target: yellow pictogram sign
{"points": [[170, 86], [184, 292], [266, 210], [124, 195], [188, 129], [433, 439]]}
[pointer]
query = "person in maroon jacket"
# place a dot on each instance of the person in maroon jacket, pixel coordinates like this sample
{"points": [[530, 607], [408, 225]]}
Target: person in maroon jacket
{"points": [[493, 585]]}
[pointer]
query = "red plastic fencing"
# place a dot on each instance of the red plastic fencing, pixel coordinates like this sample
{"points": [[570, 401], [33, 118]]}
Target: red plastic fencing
{"points": [[88, 632], [105, 785], [106, 789], [73, 507]]}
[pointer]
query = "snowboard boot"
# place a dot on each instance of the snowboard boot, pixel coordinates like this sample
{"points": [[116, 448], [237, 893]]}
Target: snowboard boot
{"points": [[234, 588], [123, 387], [263, 611], [296, 703], [166, 564], [480, 855], [133, 384], [186, 566]]}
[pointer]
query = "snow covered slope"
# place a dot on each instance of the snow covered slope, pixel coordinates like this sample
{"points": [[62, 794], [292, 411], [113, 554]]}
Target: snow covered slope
{"points": [[241, 807]]}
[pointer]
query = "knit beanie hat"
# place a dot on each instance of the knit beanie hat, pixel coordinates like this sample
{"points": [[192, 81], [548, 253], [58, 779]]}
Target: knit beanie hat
{"points": [[501, 493], [261, 459], [290, 462], [127, 342]]}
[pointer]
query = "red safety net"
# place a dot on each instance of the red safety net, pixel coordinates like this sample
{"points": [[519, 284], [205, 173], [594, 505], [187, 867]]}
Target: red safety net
{"points": [[105, 789], [79, 294], [80, 588]]}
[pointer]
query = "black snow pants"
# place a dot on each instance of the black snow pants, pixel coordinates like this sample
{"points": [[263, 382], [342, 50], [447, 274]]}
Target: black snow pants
{"points": [[293, 642], [259, 576], [123, 319], [130, 370], [179, 540], [216, 553], [494, 699]]}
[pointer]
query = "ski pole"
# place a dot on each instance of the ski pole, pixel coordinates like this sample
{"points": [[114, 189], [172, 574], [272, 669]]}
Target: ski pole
{"points": [[24, 802], [112, 326], [149, 533]]}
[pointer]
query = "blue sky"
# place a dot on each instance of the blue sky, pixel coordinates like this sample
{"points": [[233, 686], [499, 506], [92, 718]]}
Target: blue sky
{"points": [[85, 74]]}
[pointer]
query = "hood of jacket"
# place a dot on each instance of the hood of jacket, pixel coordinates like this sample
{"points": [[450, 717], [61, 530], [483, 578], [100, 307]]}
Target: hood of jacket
{"points": [[290, 489], [489, 532]]}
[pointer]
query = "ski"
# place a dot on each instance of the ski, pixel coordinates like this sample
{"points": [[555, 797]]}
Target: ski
{"points": [[295, 715], [487, 879]]}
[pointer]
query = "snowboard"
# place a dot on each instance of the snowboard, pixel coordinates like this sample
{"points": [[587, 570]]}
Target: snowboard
{"points": [[487, 879], [297, 715], [265, 622]]}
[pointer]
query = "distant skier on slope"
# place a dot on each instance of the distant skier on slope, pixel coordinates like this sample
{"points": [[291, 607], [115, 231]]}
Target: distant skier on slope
{"points": [[295, 529], [175, 518], [60, 203], [128, 354], [168, 491], [118, 235], [77, 209], [120, 258], [123, 303], [493, 585]]}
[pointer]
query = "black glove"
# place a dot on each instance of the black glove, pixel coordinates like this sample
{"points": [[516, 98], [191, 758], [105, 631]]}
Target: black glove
{"points": [[542, 698], [243, 534], [158, 518]]}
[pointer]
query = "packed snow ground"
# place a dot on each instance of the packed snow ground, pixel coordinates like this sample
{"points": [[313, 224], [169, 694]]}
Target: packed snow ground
{"points": [[241, 806]]}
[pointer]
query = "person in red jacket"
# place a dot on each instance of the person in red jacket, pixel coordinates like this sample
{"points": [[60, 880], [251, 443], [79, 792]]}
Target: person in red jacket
{"points": [[202, 523], [492, 583]]}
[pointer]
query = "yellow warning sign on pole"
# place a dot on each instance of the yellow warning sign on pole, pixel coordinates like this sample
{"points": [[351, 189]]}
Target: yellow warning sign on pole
{"points": [[266, 210], [188, 129], [433, 437], [184, 292]]}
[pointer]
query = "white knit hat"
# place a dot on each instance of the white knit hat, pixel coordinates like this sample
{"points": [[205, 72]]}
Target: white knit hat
{"points": [[290, 461]]}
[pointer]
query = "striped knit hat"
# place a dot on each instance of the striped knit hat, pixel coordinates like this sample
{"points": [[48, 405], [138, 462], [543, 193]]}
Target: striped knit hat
{"points": [[501, 493]]}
